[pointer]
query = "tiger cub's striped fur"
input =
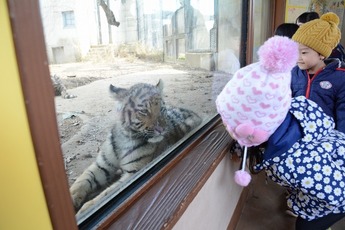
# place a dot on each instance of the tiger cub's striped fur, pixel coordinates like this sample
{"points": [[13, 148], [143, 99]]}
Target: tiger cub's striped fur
{"points": [[143, 128], [60, 88]]}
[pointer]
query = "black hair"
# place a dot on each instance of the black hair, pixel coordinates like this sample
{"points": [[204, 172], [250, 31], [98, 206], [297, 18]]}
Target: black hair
{"points": [[307, 16], [286, 29]]}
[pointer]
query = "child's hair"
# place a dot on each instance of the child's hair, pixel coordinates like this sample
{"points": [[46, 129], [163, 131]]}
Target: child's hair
{"points": [[286, 29], [306, 17]]}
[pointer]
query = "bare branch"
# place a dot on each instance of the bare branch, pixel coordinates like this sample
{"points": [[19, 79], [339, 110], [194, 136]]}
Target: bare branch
{"points": [[109, 14]]}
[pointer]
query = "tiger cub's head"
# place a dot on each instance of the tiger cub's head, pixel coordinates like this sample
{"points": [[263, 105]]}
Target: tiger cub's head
{"points": [[142, 110]]}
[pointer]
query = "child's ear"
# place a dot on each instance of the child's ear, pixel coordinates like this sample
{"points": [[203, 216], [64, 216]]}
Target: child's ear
{"points": [[322, 57]]}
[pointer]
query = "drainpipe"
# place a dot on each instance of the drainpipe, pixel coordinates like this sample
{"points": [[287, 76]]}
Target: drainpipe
{"points": [[99, 24], [109, 27]]}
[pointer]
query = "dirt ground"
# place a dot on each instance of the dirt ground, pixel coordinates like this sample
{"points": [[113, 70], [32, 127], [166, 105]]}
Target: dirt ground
{"points": [[84, 121]]}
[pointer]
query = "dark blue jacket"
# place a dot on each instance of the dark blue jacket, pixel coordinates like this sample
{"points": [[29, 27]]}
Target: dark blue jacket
{"points": [[326, 88], [307, 155]]}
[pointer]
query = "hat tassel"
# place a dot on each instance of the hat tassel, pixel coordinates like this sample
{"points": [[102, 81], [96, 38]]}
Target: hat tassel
{"points": [[242, 177]]}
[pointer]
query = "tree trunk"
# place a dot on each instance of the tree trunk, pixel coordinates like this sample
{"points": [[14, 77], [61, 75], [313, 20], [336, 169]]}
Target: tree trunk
{"points": [[109, 14]]}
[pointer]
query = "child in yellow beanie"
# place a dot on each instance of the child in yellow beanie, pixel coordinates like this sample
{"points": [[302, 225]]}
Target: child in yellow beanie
{"points": [[316, 78]]}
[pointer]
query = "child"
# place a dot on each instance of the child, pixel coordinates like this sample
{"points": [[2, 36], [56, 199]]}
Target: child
{"points": [[303, 151], [306, 17], [338, 51], [286, 29], [320, 80]]}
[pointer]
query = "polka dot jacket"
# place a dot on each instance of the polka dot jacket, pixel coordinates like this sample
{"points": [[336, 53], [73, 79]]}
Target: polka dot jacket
{"points": [[307, 155]]}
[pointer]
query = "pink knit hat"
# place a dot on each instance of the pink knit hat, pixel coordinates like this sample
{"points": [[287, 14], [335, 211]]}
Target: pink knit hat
{"points": [[256, 100]]}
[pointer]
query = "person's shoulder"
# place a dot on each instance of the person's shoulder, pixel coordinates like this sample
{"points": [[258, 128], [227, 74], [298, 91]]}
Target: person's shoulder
{"points": [[338, 52], [296, 71], [337, 71], [335, 64], [340, 66]]}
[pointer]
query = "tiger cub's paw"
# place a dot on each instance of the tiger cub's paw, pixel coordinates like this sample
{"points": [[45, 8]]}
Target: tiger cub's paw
{"points": [[78, 197], [86, 207]]}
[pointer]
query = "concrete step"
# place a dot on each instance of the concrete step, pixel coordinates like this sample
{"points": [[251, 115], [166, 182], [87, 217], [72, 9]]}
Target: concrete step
{"points": [[99, 53]]}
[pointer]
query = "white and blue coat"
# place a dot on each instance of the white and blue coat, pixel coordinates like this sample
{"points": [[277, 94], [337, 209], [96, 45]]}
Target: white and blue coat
{"points": [[307, 155]]}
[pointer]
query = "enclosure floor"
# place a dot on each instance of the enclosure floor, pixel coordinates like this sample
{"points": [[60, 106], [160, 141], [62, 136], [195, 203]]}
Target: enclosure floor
{"points": [[265, 208]]}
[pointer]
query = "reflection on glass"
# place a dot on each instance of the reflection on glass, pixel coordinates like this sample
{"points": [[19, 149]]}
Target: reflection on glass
{"points": [[261, 24], [141, 77]]}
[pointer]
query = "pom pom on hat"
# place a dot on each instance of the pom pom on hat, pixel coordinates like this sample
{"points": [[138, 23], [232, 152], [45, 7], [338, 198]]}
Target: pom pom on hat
{"points": [[331, 17], [321, 35], [277, 56], [256, 100]]}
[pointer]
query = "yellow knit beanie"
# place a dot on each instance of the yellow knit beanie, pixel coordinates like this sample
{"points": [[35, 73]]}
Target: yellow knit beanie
{"points": [[321, 35]]}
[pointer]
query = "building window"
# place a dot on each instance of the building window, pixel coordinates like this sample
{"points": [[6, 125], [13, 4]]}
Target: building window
{"points": [[68, 19]]}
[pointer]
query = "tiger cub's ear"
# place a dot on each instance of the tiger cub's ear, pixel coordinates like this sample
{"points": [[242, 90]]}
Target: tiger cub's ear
{"points": [[118, 92]]}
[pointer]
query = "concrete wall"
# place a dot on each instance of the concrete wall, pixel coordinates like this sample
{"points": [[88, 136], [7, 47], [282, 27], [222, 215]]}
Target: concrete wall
{"points": [[71, 43], [200, 60], [91, 27], [226, 58], [229, 36], [215, 203], [126, 14]]}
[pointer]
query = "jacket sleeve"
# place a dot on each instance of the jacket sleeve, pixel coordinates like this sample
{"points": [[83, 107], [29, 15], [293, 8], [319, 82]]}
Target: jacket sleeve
{"points": [[298, 82], [284, 137], [340, 104]]}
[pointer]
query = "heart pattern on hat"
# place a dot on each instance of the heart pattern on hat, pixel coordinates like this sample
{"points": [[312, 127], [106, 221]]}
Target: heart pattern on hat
{"points": [[254, 105]]}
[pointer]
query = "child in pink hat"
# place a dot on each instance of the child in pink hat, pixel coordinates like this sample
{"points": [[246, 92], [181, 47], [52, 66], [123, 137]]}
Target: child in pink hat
{"points": [[256, 100]]}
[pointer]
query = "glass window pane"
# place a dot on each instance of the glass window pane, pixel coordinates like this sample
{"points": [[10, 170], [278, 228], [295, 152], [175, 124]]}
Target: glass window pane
{"points": [[261, 24], [68, 18], [133, 80]]}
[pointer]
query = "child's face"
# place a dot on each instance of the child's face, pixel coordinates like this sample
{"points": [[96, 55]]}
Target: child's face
{"points": [[309, 59]]}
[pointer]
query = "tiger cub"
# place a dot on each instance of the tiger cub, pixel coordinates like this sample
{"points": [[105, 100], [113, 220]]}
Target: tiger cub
{"points": [[143, 128], [60, 88]]}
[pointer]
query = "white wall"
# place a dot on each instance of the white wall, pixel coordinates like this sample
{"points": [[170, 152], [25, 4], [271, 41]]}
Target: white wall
{"points": [[126, 14], [229, 35], [215, 203], [76, 40]]}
